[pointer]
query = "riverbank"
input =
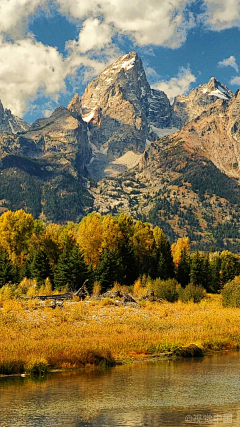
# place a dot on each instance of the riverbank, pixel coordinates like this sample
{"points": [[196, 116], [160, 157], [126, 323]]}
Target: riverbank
{"points": [[96, 333]]}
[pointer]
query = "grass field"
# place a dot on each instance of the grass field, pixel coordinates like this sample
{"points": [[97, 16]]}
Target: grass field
{"points": [[83, 333]]}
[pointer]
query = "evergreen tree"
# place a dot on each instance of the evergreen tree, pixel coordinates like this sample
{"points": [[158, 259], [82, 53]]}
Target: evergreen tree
{"points": [[207, 274], [26, 271], [71, 269], [127, 264], [164, 266], [216, 269], [197, 269], [40, 267], [108, 270], [6, 268], [183, 270]]}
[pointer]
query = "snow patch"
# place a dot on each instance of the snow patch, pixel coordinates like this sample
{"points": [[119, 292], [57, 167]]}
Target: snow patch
{"points": [[88, 117], [218, 94], [127, 65]]}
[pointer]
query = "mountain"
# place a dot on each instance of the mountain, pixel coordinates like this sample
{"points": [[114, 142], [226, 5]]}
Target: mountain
{"points": [[123, 147], [122, 112], [43, 170], [187, 183], [10, 123], [189, 107]]}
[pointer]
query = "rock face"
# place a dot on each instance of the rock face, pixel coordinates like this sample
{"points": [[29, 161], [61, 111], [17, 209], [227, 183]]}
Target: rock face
{"points": [[10, 123], [188, 107], [121, 112], [188, 183], [43, 170]]}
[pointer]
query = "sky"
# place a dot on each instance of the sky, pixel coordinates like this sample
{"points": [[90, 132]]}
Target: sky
{"points": [[51, 49]]}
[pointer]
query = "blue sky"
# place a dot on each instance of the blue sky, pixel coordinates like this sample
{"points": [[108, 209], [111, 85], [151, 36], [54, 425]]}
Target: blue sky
{"points": [[50, 49]]}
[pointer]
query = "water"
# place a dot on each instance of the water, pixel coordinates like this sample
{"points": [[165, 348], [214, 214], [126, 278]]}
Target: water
{"points": [[202, 391]]}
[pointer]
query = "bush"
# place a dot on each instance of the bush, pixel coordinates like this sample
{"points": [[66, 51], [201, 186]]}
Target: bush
{"points": [[192, 292], [166, 289], [231, 293]]}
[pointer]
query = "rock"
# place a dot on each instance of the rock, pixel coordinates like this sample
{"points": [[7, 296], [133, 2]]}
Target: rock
{"points": [[189, 107], [121, 111], [10, 123]]}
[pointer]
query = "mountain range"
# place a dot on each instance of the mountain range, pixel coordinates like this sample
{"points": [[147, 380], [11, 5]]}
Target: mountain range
{"points": [[123, 147]]}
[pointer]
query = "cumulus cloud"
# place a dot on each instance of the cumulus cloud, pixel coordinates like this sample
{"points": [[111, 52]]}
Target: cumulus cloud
{"points": [[14, 15], [94, 35], [152, 22], [222, 14], [27, 67], [229, 62], [179, 85], [30, 67], [235, 81]]}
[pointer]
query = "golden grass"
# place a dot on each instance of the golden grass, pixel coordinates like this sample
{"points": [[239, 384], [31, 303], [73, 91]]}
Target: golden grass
{"points": [[83, 333]]}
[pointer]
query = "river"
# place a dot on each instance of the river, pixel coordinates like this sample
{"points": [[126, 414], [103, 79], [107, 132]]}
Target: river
{"points": [[200, 391]]}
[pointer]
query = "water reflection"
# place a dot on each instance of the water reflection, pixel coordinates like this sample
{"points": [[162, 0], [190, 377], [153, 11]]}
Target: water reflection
{"points": [[148, 394]]}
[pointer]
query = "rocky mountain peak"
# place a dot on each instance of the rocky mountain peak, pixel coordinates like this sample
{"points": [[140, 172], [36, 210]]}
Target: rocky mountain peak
{"points": [[10, 123], [189, 107], [75, 106], [122, 112]]}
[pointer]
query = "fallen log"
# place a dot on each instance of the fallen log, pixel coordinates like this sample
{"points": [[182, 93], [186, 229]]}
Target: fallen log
{"points": [[81, 293]]}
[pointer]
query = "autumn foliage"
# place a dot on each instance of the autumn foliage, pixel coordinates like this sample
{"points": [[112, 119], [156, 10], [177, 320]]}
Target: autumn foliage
{"points": [[103, 250]]}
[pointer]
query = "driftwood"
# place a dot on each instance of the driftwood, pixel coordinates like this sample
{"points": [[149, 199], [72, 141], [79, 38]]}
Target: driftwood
{"points": [[81, 293]]}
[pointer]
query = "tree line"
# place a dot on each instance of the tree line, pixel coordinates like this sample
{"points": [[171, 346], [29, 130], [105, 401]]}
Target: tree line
{"points": [[105, 249]]}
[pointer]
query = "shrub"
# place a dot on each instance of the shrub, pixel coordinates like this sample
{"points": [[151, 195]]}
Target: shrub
{"points": [[192, 292], [231, 293], [7, 292], [38, 366], [24, 286], [96, 292], [138, 290], [166, 289]]}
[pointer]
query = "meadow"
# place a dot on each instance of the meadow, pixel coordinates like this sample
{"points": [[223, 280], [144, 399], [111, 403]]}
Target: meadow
{"points": [[90, 333]]}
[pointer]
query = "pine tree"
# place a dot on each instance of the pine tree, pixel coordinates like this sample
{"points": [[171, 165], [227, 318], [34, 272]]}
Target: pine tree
{"points": [[6, 268], [164, 266], [78, 268], [215, 269], [197, 269], [183, 269], [61, 275], [107, 271], [40, 267], [71, 269], [26, 271]]}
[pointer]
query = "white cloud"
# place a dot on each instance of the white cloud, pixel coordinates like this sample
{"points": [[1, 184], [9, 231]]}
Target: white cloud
{"points": [[30, 67], [26, 67], [235, 81], [179, 85], [229, 62], [14, 15], [94, 35], [222, 14], [152, 22]]}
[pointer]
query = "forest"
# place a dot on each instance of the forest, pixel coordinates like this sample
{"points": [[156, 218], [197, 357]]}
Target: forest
{"points": [[105, 250]]}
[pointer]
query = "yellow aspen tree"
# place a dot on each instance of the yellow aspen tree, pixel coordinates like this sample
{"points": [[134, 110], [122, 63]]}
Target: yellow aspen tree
{"points": [[90, 238], [178, 247], [16, 229]]}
